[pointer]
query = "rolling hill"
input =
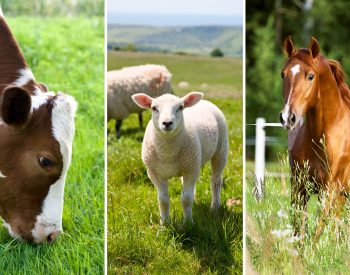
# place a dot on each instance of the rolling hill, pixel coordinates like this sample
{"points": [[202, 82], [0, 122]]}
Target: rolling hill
{"points": [[199, 40]]}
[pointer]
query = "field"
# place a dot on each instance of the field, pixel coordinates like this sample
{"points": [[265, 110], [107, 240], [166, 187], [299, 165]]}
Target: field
{"points": [[271, 248], [137, 244], [75, 66]]}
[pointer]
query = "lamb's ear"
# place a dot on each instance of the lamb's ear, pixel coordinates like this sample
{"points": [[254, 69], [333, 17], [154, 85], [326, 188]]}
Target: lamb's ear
{"points": [[192, 99], [142, 100], [289, 48], [15, 106], [314, 48]]}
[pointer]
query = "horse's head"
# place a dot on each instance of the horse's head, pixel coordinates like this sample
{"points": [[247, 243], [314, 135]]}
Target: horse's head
{"points": [[300, 82]]}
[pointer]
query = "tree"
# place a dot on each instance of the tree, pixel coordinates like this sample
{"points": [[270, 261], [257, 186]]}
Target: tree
{"points": [[216, 53]]}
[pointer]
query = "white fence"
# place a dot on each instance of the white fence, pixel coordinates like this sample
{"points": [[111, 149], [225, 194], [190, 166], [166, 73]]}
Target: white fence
{"points": [[260, 144]]}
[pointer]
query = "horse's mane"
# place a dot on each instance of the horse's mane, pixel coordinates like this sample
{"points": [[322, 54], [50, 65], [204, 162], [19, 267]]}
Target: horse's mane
{"points": [[339, 76], [336, 68]]}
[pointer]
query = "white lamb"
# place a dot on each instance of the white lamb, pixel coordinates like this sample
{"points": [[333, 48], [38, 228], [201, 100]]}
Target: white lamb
{"points": [[182, 136], [153, 80]]}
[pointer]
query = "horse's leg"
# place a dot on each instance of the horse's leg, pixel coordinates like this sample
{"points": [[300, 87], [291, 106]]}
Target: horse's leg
{"points": [[299, 199], [332, 207]]}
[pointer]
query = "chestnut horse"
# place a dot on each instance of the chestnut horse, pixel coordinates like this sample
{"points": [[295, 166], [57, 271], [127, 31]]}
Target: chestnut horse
{"points": [[317, 115]]}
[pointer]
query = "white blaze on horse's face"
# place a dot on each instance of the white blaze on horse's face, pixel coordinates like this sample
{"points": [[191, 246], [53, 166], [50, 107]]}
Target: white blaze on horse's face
{"points": [[297, 89]]}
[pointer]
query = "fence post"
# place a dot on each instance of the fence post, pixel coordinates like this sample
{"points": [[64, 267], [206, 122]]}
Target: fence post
{"points": [[260, 155]]}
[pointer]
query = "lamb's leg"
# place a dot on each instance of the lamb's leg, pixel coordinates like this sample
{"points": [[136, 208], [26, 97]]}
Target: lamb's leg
{"points": [[140, 120], [217, 166], [118, 125], [187, 196], [163, 197]]}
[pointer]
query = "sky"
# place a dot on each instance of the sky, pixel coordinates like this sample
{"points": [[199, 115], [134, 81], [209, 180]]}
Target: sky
{"points": [[183, 12]]}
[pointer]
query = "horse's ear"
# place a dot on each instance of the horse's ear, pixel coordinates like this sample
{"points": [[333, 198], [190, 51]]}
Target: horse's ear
{"points": [[313, 47], [289, 48]]}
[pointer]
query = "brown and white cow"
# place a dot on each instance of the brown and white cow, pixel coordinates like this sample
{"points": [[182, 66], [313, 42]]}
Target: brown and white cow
{"points": [[36, 136]]}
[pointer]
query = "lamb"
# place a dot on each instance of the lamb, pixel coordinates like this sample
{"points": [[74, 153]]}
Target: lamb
{"points": [[183, 134], [153, 80]]}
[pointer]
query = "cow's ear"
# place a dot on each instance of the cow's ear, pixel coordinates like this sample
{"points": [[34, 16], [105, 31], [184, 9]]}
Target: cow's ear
{"points": [[15, 106]]}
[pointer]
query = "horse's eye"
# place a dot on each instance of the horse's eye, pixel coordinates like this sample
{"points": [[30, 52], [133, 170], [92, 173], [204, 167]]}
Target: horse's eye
{"points": [[45, 162], [282, 75], [154, 109], [310, 77]]}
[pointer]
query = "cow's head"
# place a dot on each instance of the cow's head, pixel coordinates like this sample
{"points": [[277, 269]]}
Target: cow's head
{"points": [[36, 136]]}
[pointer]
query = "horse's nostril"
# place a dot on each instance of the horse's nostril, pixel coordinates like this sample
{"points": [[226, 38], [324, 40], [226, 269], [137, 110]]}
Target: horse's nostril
{"points": [[281, 118], [292, 118]]}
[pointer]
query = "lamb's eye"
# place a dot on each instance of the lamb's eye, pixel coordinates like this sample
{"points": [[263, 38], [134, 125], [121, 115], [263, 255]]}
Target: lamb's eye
{"points": [[154, 109], [310, 77], [45, 162], [282, 75], [181, 108]]}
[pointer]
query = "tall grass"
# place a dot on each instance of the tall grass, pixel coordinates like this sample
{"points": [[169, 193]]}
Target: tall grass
{"points": [[270, 242], [68, 55], [136, 242]]}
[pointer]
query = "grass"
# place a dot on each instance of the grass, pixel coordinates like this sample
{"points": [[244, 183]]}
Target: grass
{"points": [[270, 254], [76, 66], [136, 242]]}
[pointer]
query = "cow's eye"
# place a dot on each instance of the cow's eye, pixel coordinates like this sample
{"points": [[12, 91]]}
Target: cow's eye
{"points": [[282, 75], [45, 162], [310, 77]]}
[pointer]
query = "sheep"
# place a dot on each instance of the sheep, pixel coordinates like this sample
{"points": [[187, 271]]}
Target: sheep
{"points": [[153, 80], [183, 134]]}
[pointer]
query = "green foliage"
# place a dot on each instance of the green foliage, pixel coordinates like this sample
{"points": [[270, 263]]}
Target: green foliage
{"points": [[53, 7], [269, 22], [137, 244], [216, 53], [68, 64]]}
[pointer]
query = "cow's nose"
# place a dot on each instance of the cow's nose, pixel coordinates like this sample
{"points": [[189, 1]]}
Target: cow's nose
{"points": [[292, 119], [53, 236]]}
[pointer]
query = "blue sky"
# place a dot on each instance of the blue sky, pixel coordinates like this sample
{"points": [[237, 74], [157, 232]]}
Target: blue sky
{"points": [[182, 12]]}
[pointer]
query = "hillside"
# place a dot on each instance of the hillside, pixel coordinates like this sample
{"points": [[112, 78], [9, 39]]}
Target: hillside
{"points": [[195, 40]]}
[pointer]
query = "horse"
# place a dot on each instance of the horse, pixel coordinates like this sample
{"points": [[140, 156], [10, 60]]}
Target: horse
{"points": [[36, 136], [317, 116]]}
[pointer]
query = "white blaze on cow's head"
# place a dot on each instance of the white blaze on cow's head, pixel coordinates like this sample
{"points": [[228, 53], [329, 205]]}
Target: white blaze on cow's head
{"points": [[36, 137]]}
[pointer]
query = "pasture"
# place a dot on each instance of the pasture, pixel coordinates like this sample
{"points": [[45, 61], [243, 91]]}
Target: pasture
{"points": [[270, 246], [67, 54], [136, 242]]}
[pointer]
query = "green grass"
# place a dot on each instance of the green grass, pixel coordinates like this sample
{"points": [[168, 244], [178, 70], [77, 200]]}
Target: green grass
{"points": [[67, 55], [136, 242], [271, 255]]}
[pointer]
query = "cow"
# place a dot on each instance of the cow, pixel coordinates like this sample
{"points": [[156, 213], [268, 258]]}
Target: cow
{"points": [[36, 135]]}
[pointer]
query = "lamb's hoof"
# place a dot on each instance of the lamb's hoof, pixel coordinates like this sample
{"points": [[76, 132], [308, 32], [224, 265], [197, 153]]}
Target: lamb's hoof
{"points": [[187, 223], [164, 222], [214, 209]]}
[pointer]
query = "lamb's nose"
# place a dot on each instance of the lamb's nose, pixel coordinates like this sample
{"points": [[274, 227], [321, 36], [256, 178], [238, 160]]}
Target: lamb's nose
{"points": [[167, 124]]}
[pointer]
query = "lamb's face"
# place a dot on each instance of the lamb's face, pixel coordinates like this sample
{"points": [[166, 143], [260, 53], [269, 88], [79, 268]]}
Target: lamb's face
{"points": [[167, 113], [167, 110]]}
